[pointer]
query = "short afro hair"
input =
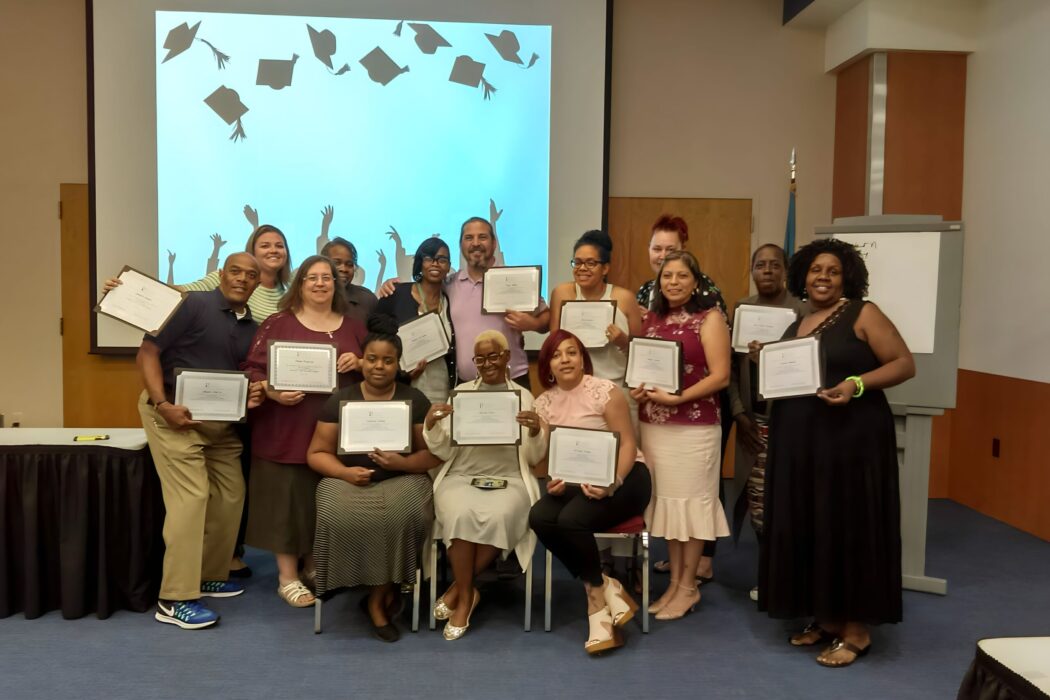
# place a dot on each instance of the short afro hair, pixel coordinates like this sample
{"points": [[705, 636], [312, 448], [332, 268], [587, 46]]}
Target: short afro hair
{"points": [[854, 271]]}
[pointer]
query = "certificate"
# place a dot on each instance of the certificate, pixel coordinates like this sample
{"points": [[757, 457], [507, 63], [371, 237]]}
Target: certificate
{"points": [[486, 417], [212, 394], [583, 456], [307, 367], [367, 425], [656, 363], [511, 289], [141, 301], [588, 320], [422, 338], [790, 368], [762, 323]]}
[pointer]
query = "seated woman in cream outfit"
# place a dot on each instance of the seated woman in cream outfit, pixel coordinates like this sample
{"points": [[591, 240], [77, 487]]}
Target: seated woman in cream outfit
{"points": [[477, 524]]}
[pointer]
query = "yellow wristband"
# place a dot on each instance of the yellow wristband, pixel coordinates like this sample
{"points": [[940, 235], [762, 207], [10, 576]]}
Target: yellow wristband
{"points": [[859, 383]]}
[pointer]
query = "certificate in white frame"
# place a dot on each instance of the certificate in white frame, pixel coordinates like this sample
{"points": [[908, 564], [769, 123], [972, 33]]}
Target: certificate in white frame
{"points": [[583, 455], [485, 417], [589, 320], [766, 324], [141, 301], [513, 288], [300, 366], [789, 368], [365, 426], [213, 395], [656, 363], [423, 338]]}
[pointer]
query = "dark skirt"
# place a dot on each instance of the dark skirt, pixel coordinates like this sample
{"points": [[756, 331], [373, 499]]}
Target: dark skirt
{"points": [[282, 515], [371, 535], [831, 546]]}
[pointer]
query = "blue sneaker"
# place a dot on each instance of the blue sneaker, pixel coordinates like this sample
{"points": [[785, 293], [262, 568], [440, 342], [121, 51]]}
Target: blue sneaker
{"points": [[187, 614], [220, 589]]}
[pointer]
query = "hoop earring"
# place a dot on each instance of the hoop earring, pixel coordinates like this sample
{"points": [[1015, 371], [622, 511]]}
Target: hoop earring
{"points": [[550, 378]]}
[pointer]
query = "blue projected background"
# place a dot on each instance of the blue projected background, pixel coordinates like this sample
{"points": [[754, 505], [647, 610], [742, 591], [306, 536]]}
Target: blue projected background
{"points": [[281, 132]]}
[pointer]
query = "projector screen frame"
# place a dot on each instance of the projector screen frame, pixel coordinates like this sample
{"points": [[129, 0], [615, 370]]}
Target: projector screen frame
{"points": [[93, 277]]}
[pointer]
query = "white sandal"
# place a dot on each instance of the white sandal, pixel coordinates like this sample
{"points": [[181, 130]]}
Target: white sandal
{"points": [[621, 605], [602, 635], [296, 594]]}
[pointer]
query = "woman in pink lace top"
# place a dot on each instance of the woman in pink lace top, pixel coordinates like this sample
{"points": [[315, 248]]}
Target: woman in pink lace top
{"points": [[567, 517], [681, 433]]}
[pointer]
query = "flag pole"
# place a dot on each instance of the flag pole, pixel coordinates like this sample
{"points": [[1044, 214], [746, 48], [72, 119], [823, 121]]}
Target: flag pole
{"points": [[789, 229]]}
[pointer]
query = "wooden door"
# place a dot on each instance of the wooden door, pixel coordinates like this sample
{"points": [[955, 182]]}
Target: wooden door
{"points": [[98, 391]]}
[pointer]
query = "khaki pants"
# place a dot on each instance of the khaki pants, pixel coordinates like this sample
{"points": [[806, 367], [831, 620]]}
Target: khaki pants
{"points": [[200, 477]]}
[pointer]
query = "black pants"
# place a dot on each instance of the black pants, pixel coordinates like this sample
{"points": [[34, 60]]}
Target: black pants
{"points": [[566, 524]]}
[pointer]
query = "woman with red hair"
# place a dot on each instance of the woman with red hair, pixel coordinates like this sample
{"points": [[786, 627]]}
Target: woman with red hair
{"points": [[670, 233], [567, 517]]}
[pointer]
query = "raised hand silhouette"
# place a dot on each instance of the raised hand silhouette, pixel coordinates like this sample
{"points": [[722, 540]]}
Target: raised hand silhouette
{"points": [[252, 215], [213, 261], [327, 214], [171, 268], [382, 270]]}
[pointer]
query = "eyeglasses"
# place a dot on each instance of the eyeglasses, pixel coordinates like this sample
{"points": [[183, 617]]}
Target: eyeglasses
{"points": [[491, 358], [314, 279], [439, 260], [585, 264]]}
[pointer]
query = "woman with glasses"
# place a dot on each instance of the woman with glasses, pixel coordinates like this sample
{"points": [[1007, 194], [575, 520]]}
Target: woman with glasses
{"points": [[478, 521], [427, 295], [590, 268], [281, 489]]}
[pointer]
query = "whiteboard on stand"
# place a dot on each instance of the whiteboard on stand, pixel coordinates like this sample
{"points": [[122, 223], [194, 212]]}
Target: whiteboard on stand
{"points": [[902, 280]]}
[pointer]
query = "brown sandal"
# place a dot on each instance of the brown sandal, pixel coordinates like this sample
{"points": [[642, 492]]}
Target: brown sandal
{"points": [[838, 645], [802, 640]]}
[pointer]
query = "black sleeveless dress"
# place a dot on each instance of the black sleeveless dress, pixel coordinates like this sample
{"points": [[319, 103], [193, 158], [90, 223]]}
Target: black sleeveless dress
{"points": [[832, 545]]}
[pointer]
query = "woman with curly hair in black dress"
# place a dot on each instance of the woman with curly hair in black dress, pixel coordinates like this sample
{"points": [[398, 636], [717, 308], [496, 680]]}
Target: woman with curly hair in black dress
{"points": [[832, 547]]}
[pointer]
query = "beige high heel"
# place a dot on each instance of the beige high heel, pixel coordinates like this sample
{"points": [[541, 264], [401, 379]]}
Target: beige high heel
{"points": [[602, 634], [667, 613], [621, 605], [658, 604]]}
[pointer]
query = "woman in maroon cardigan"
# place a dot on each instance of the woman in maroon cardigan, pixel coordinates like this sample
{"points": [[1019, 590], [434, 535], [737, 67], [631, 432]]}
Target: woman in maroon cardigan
{"points": [[281, 489]]}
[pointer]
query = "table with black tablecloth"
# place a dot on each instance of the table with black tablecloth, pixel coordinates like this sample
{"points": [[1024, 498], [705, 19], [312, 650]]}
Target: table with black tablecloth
{"points": [[80, 522], [1009, 668]]}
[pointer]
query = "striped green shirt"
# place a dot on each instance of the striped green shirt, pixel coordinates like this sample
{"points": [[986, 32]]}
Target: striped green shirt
{"points": [[263, 302]]}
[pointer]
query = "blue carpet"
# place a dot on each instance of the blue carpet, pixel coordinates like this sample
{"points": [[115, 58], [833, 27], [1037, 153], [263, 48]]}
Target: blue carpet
{"points": [[998, 580]]}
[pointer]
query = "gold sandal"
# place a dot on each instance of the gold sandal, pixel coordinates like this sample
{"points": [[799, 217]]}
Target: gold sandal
{"points": [[801, 640], [838, 645], [296, 594]]}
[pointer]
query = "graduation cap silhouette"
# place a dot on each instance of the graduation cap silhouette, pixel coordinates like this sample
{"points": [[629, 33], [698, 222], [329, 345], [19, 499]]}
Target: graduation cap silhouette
{"points": [[427, 38], [323, 43], [181, 38], [467, 71], [276, 73], [381, 68], [507, 45], [227, 104]]}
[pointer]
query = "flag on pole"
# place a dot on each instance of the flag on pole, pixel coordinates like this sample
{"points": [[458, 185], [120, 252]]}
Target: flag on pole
{"points": [[789, 230]]}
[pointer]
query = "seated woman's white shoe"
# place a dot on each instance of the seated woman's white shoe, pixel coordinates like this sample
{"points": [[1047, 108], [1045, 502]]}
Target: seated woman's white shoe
{"points": [[452, 632], [621, 605], [602, 635], [441, 609]]}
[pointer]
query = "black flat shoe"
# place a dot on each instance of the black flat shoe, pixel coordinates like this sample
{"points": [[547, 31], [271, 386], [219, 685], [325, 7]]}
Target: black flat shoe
{"points": [[385, 633], [245, 572]]}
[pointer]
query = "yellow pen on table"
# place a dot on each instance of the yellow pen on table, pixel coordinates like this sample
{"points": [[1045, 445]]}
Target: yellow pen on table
{"points": [[89, 438]]}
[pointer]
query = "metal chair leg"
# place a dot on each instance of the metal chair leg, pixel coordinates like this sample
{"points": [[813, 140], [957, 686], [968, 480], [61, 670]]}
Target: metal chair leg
{"points": [[645, 581], [433, 581], [317, 615], [415, 600], [528, 597], [547, 594]]}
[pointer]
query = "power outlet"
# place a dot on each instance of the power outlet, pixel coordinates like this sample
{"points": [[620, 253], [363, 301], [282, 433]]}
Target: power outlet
{"points": [[16, 420]]}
